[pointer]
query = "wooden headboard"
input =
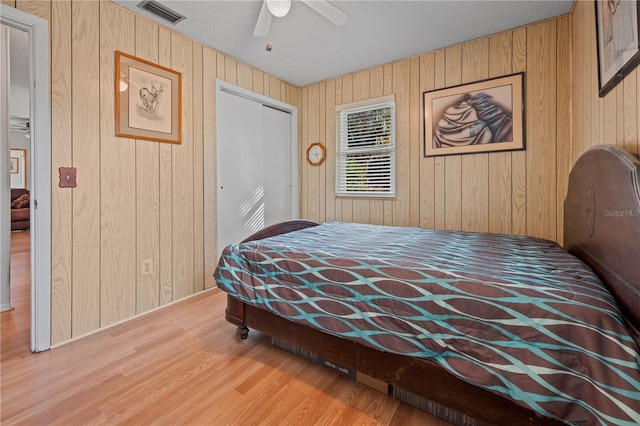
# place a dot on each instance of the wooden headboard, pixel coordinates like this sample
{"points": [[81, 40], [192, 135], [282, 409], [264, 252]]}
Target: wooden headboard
{"points": [[602, 222]]}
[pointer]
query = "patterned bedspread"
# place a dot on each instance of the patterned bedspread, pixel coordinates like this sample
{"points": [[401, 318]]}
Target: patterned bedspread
{"points": [[518, 316]]}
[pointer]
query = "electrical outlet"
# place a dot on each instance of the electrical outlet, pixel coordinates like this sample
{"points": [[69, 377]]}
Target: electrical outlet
{"points": [[146, 267]]}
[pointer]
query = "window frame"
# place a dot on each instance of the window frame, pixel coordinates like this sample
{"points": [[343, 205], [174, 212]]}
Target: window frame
{"points": [[340, 165]]}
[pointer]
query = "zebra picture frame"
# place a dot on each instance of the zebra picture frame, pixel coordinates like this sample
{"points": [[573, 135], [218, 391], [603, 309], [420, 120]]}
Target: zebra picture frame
{"points": [[148, 100], [482, 116]]}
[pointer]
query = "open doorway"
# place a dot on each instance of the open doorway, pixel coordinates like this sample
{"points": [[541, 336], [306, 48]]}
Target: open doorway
{"points": [[16, 327], [36, 163]]}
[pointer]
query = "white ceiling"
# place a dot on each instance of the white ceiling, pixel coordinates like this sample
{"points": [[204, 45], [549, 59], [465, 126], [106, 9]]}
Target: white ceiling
{"points": [[307, 48]]}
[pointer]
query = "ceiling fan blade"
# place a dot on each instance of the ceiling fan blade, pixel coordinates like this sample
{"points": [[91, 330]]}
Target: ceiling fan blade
{"points": [[264, 21], [327, 10]]}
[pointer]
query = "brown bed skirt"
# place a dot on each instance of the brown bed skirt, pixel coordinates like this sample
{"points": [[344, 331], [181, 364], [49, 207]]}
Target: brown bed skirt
{"points": [[420, 377]]}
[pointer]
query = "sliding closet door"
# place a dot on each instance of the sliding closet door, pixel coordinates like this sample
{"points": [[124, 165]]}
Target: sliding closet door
{"points": [[276, 144], [240, 169], [254, 167]]}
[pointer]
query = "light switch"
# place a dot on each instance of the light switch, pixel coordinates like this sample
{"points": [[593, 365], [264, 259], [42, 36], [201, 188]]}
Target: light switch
{"points": [[67, 177]]}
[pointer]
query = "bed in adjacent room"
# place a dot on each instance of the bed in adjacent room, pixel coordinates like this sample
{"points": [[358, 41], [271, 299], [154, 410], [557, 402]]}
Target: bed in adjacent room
{"points": [[502, 328]]}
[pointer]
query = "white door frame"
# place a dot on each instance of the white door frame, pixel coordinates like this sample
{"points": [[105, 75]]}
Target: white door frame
{"points": [[39, 171], [5, 180]]}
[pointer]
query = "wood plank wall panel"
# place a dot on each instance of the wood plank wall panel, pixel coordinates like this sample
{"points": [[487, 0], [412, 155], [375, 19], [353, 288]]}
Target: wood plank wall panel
{"points": [[608, 114], [500, 172], [182, 176], [117, 179], [346, 204], [322, 136], [507, 192], [147, 187], [85, 103], [329, 168], [475, 168], [563, 120], [312, 134], [266, 85], [587, 81], [453, 163], [303, 143], [330, 146], [245, 76], [337, 100], [198, 176], [415, 148], [135, 199], [578, 94], [275, 88], [388, 90], [35, 7], [519, 158], [427, 165], [165, 266], [61, 205], [401, 90], [231, 70], [438, 162], [609, 120], [209, 74], [541, 119], [220, 70], [628, 115]]}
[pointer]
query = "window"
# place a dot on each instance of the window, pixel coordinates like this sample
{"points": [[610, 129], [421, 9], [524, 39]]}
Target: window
{"points": [[366, 146]]}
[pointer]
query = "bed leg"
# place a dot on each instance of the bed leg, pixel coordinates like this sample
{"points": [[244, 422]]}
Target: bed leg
{"points": [[234, 314], [243, 332]]}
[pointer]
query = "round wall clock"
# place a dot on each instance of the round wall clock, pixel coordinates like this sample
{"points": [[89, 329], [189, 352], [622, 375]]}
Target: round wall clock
{"points": [[316, 154]]}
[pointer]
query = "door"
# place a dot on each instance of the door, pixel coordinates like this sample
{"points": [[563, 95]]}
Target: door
{"points": [[240, 171], [254, 167], [276, 150], [39, 173]]}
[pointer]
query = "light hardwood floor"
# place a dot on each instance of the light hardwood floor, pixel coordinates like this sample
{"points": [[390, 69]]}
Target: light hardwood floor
{"points": [[182, 364]]}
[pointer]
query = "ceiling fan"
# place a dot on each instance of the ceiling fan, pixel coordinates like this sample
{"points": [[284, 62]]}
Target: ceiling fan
{"points": [[20, 124], [280, 8]]}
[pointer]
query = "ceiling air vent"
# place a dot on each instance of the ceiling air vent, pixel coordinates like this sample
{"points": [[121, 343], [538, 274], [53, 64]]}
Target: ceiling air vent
{"points": [[161, 11]]}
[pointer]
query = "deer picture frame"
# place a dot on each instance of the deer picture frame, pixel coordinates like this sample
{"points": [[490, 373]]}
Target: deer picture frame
{"points": [[148, 100]]}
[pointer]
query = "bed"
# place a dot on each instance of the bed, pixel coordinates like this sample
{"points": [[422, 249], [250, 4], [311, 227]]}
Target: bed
{"points": [[503, 329]]}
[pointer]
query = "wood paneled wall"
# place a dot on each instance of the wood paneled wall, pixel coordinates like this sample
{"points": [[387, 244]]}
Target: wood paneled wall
{"points": [[140, 200], [609, 120], [135, 199], [518, 192]]}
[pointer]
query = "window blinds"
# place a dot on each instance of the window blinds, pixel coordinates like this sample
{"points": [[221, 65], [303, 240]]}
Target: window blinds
{"points": [[365, 161]]}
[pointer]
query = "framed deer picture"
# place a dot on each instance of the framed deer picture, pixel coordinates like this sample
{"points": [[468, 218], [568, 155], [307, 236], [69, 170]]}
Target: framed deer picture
{"points": [[148, 100]]}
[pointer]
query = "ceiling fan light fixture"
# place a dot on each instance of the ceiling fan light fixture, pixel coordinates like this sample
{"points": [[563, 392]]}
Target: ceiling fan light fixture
{"points": [[279, 8]]}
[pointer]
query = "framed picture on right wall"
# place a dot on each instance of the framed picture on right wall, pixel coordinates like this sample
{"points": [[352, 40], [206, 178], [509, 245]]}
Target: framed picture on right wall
{"points": [[617, 40]]}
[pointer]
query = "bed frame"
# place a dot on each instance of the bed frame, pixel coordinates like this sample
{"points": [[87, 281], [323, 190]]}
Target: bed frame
{"points": [[602, 228]]}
